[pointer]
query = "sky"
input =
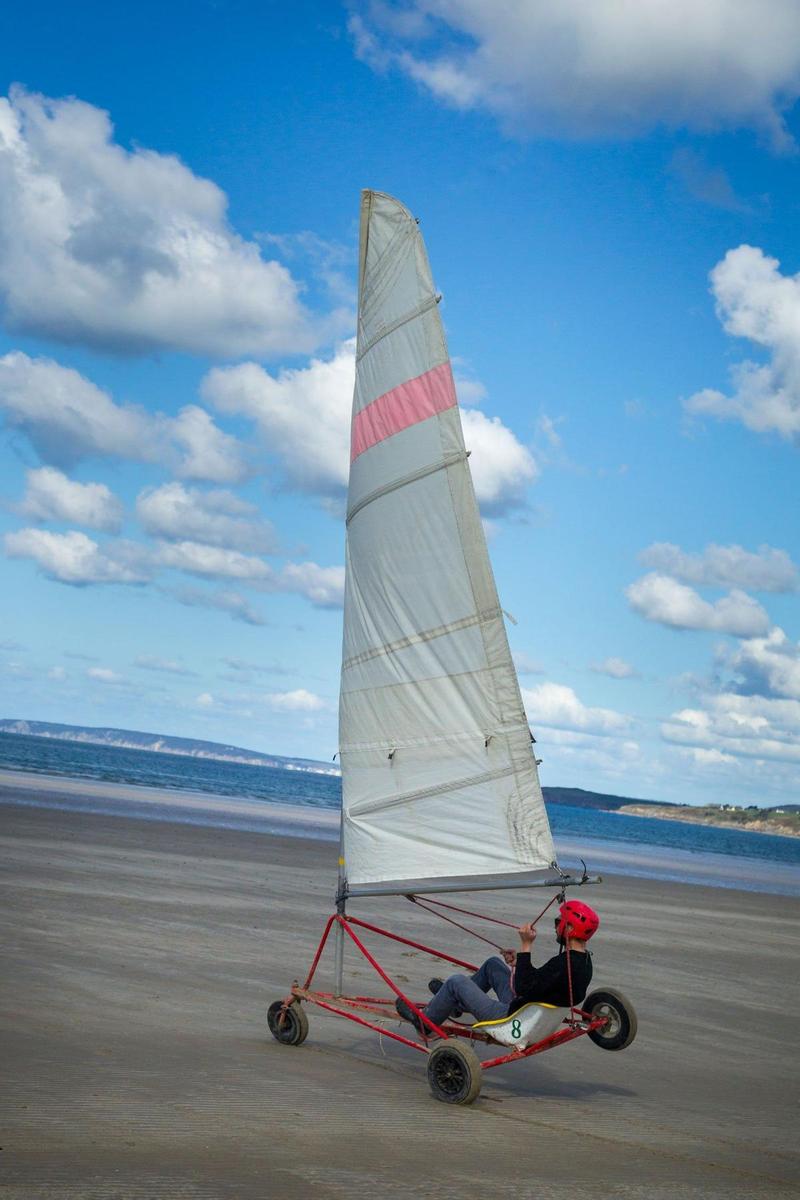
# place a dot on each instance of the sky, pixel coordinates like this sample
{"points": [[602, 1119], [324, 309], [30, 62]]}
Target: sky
{"points": [[609, 197]]}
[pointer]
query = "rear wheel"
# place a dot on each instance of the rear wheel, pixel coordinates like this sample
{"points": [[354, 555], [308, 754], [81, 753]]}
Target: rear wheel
{"points": [[620, 1019], [454, 1073], [289, 1026]]}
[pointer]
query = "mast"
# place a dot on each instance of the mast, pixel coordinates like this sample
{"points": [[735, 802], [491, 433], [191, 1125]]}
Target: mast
{"points": [[439, 782]]}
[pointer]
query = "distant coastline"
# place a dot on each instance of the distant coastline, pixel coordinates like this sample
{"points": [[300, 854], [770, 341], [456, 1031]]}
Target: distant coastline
{"points": [[156, 743], [783, 821], [779, 822]]}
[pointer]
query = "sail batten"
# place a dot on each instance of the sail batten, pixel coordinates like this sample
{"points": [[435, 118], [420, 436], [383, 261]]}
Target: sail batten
{"points": [[438, 778]]}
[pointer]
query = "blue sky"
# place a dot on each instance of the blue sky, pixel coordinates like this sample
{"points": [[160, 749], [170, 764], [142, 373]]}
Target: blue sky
{"points": [[609, 197]]}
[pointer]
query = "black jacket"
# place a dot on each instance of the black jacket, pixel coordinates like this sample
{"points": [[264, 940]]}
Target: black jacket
{"points": [[549, 983]]}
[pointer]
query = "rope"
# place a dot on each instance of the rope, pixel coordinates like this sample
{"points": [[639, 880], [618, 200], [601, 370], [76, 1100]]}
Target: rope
{"points": [[450, 921], [426, 903]]}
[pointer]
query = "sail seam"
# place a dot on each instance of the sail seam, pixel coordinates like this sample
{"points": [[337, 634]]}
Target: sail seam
{"points": [[421, 473], [426, 635], [455, 736], [439, 789], [420, 309]]}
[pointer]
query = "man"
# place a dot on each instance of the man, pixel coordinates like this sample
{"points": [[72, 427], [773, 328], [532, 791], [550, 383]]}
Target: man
{"points": [[521, 983]]}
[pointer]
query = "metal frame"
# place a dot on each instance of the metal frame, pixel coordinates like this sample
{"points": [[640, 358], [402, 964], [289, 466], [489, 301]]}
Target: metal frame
{"points": [[576, 1025]]}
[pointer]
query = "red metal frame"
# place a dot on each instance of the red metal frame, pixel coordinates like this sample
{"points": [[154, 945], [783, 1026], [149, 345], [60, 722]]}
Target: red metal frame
{"points": [[575, 1026]]}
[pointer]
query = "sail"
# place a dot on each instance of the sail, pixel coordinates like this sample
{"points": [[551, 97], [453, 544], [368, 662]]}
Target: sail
{"points": [[439, 779]]}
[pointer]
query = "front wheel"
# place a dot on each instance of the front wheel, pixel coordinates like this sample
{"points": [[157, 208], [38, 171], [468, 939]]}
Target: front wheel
{"points": [[454, 1073], [289, 1026], [620, 1019]]}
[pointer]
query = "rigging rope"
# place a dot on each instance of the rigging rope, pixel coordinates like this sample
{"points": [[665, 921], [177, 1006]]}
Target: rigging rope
{"points": [[426, 903]]}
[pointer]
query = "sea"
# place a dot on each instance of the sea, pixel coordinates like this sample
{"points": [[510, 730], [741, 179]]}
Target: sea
{"points": [[259, 799]]}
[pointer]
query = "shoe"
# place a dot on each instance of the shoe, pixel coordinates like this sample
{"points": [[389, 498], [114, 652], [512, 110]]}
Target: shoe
{"points": [[433, 986], [408, 1014]]}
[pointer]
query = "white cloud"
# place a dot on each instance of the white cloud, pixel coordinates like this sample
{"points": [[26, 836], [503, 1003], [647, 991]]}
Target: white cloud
{"points": [[742, 726], [76, 559], [767, 570], [662, 599], [233, 603], [555, 705], [711, 758], [767, 666], [303, 415], [755, 301], [547, 428], [297, 701], [617, 668], [205, 452], [589, 69], [217, 518], [51, 496], [104, 675], [204, 700], [323, 586], [502, 468], [212, 562], [525, 664], [68, 418], [151, 662], [128, 250], [57, 674]]}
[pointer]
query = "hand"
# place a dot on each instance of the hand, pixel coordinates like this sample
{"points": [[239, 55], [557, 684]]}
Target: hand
{"points": [[527, 935], [510, 957]]}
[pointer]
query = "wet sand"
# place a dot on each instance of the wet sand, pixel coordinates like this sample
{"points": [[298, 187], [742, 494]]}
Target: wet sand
{"points": [[140, 957]]}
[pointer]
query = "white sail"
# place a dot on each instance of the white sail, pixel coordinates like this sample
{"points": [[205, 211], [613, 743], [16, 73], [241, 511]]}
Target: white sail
{"points": [[439, 779]]}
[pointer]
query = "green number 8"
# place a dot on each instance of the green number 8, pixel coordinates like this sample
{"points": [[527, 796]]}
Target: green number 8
{"points": [[516, 1029]]}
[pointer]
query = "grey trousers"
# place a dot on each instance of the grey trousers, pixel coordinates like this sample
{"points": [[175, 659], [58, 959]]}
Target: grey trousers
{"points": [[468, 993]]}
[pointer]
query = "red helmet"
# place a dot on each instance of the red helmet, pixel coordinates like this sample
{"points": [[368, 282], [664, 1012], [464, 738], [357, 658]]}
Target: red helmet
{"points": [[576, 920]]}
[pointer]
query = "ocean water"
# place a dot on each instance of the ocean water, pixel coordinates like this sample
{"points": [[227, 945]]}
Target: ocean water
{"points": [[275, 800]]}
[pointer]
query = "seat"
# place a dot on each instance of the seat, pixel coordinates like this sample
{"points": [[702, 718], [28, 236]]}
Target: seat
{"points": [[528, 1025]]}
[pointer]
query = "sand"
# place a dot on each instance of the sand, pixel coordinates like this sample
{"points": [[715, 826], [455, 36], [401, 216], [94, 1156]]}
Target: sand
{"points": [[140, 957]]}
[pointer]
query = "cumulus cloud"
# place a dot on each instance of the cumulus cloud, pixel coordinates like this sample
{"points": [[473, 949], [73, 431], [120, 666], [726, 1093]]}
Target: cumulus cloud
{"points": [[603, 68], [617, 668], [128, 250], [323, 586], [502, 468], [297, 701], [748, 726], [51, 496], [766, 570], [68, 418], [212, 562], [662, 599], [757, 302], [303, 415], [555, 705], [768, 666], [217, 518], [77, 559]]}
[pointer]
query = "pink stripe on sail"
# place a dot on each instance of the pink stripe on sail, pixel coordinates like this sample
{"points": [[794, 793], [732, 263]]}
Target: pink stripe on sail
{"points": [[404, 406]]}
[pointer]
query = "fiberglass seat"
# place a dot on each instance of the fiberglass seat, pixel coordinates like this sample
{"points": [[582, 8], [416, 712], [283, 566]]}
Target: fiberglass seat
{"points": [[529, 1024]]}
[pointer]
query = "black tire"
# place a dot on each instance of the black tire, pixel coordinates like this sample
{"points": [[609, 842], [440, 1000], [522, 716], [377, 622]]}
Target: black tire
{"points": [[289, 1026], [454, 1073], [620, 1028]]}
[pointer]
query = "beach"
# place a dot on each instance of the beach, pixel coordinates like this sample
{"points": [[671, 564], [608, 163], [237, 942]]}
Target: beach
{"points": [[140, 959]]}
